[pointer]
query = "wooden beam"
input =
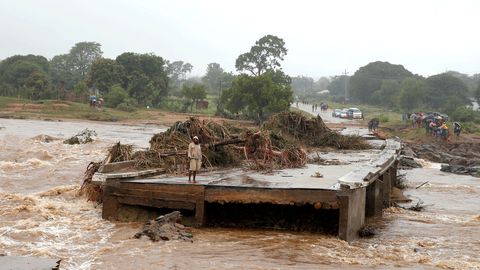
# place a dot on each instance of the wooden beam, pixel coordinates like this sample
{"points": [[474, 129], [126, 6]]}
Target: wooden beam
{"points": [[264, 195]]}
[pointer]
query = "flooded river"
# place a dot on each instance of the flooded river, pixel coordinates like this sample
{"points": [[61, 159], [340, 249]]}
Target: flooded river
{"points": [[41, 215]]}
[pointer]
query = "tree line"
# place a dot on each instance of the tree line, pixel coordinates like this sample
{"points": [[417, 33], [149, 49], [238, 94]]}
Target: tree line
{"points": [[133, 79], [259, 89], [394, 87]]}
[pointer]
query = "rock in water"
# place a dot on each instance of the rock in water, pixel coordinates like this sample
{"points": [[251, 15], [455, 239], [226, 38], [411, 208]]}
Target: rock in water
{"points": [[166, 228], [459, 169], [367, 231], [408, 163]]}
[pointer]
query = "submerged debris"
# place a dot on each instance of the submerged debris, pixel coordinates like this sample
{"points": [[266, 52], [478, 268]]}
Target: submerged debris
{"points": [[85, 136], [401, 181], [417, 207], [92, 192], [44, 138], [166, 227], [367, 231]]}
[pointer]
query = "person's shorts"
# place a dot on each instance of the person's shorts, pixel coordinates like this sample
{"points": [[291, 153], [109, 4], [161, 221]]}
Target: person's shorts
{"points": [[195, 164]]}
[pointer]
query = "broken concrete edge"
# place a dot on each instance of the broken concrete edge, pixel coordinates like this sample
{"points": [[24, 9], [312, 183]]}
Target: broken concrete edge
{"points": [[115, 166], [101, 177], [367, 174]]}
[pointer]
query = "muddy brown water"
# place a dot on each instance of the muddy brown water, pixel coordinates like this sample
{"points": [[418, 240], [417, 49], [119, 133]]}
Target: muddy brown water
{"points": [[41, 215]]}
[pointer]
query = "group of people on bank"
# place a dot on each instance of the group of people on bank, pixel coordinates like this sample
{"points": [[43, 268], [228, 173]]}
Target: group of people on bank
{"points": [[434, 123]]}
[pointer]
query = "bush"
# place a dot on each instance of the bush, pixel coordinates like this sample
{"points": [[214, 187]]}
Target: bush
{"points": [[470, 128], [464, 114], [116, 96], [383, 118], [126, 107]]}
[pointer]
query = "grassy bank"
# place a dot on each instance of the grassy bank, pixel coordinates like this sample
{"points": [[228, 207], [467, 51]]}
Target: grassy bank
{"points": [[57, 109]]}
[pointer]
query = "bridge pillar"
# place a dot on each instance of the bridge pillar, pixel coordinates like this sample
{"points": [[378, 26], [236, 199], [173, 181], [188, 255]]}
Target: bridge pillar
{"points": [[352, 213], [374, 199], [387, 187]]}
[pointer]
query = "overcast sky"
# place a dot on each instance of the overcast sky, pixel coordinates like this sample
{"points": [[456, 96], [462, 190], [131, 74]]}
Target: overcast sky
{"points": [[323, 38]]}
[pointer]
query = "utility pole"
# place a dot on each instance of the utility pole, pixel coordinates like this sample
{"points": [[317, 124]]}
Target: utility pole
{"points": [[345, 83]]}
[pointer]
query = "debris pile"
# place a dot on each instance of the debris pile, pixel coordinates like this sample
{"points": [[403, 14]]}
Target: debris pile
{"points": [[221, 147], [294, 126], [166, 227], [92, 192], [85, 136]]}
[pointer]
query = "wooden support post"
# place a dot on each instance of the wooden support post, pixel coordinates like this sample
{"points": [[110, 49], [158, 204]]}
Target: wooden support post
{"points": [[352, 213], [200, 213], [110, 204]]}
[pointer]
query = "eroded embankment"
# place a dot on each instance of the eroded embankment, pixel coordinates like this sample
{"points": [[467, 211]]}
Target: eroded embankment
{"points": [[461, 157]]}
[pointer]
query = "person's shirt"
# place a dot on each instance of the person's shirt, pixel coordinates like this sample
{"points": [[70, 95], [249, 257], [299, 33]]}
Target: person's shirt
{"points": [[194, 151]]}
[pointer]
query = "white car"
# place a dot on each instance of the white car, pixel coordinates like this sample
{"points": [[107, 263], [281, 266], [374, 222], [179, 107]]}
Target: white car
{"points": [[354, 113]]}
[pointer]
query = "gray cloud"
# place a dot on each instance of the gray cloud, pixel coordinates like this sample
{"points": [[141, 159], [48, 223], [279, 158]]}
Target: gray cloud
{"points": [[323, 37]]}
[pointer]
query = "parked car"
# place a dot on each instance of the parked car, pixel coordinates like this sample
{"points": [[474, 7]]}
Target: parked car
{"points": [[354, 113], [343, 113], [336, 113]]}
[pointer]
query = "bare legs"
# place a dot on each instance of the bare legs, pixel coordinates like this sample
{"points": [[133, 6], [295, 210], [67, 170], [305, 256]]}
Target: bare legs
{"points": [[190, 175]]}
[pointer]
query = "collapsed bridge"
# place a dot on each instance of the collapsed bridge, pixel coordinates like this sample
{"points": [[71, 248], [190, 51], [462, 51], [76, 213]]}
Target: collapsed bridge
{"points": [[338, 203]]}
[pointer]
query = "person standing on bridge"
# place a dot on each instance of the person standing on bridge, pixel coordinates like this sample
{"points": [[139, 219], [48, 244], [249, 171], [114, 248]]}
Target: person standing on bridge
{"points": [[195, 157]]}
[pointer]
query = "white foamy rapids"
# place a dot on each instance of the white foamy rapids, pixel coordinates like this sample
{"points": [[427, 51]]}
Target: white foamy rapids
{"points": [[428, 164], [31, 163], [55, 224]]}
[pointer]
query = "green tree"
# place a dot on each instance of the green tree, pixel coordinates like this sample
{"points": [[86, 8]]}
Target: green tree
{"points": [[61, 72], [477, 93], [146, 77], [194, 93], [267, 90], [258, 97], [322, 83], [25, 76], [412, 93], [337, 85], [216, 79], [39, 85], [82, 56], [387, 94], [369, 79], [104, 73], [266, 54], [81, 90], [116, 96], [302, 86], [177, 72], [446, 92]]}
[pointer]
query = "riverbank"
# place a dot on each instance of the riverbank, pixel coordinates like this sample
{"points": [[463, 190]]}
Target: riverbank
{"points": [[57, 110]]}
